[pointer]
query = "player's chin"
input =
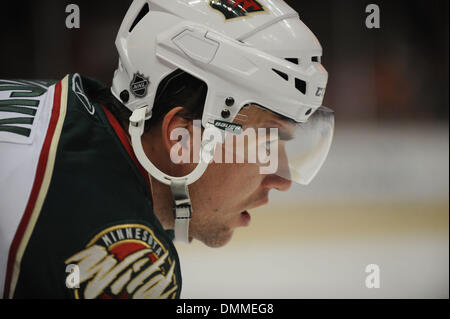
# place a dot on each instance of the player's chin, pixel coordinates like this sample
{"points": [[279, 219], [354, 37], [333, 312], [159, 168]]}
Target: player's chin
{"points": [[219, 240]]}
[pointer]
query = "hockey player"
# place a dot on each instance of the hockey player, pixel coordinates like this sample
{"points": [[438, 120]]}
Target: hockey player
{"points": [[91, 193]]}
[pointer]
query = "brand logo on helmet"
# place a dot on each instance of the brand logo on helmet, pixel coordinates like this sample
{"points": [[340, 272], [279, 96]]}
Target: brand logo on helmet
{"points": [[320, 92], [236, 8], [139, 85], [125, 261], [229, 127]]}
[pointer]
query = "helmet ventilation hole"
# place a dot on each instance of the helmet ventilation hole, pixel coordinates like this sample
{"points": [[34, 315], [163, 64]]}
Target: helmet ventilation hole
{"points": [[145, 9], [300, 85], [293, 60], [282, 74]]}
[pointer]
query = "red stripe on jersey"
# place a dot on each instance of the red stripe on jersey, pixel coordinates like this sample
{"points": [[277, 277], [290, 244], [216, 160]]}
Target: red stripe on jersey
{"points": [[40, 172], [126, 144]]}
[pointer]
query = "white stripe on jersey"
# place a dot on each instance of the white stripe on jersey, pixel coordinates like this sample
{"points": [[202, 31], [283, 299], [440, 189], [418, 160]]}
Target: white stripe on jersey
{"points": [[19, 157]]}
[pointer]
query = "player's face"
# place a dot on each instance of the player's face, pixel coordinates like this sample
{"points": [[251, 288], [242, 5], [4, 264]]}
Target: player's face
{"points": [[222, 197]]}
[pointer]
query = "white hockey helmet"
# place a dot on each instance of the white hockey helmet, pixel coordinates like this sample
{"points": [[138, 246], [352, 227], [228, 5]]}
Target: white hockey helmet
{"points": [[248, 52]]}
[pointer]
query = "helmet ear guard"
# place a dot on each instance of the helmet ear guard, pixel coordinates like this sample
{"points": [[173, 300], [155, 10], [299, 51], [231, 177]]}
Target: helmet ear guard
{"points": [[158, 37]]}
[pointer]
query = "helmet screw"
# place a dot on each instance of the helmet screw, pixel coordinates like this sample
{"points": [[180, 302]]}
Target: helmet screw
{"points": [[226, 114], [229, 101], [125, 96]]}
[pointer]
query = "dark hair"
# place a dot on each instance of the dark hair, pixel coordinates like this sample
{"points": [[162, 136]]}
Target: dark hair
{"points": [[177, 89]]}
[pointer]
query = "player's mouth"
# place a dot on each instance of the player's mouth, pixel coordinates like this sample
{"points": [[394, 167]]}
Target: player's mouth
{"points": [[245, 218]]}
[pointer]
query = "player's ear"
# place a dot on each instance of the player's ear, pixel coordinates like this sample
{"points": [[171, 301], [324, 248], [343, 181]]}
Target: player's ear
{"points": [[175, 130]]}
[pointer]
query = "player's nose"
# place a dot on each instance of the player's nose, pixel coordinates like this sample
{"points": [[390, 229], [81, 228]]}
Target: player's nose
{"points": [[279, 183]]}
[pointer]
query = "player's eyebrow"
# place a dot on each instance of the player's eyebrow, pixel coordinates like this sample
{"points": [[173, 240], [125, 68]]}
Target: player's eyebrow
{"points": [[285, 137]]}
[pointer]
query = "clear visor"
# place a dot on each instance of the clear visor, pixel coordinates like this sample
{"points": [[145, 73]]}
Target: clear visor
{"points": [[308, 150], [293, 151]]}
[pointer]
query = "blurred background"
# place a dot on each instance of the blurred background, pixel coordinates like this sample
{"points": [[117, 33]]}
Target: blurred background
{"points": [[381, 197]]}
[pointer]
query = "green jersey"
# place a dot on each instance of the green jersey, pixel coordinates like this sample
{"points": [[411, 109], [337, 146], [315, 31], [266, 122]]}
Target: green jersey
{"points": [[76, 212]]}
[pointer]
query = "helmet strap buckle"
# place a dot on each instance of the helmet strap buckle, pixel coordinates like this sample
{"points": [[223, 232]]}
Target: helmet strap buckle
{"points": [[182, 209]]}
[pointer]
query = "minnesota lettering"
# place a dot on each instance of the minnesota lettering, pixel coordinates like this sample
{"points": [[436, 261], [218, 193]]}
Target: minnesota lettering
{"points": [[125, 261]]}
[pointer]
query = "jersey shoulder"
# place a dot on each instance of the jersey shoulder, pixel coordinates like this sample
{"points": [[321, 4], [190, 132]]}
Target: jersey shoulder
{"points": [[23, 105], [26, 105]]}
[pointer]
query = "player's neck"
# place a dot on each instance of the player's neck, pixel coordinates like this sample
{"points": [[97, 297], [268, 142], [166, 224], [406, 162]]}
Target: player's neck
{"points": [[163, 203], [161, 194]]}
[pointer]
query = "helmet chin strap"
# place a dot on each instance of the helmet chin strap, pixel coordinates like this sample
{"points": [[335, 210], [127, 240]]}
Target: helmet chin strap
{"points": [[178, 185]]}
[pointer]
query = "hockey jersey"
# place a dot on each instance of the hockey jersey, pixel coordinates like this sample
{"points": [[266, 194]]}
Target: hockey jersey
{"points": [[76, 213]]}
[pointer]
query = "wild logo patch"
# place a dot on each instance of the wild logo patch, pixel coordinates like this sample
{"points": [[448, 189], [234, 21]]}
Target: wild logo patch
{"points": [[124, 262], [139, 85], [236, 8]]}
